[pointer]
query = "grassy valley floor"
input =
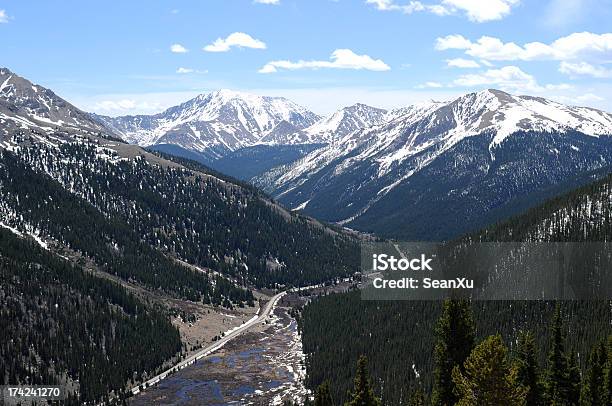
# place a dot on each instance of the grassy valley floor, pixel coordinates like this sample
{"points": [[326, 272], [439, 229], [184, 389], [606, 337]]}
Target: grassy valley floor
{"points": [[263, 366]]}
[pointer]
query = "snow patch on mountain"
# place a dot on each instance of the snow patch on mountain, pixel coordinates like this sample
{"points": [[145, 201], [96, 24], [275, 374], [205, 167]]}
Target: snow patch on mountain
{"points": [[428, 130], [224, 120], [26, 106], [346, 121]]}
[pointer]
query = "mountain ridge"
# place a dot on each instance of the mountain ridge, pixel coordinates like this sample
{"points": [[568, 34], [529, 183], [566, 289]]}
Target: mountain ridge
{"points": [[214, 123], [349, 180], [73, 160], [25, 105]]}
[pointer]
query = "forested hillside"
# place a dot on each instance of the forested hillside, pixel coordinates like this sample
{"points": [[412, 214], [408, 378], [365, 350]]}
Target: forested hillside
{"points": [[33, 202], [584, 214], [398, 337], [198, 218], [61, 325]]}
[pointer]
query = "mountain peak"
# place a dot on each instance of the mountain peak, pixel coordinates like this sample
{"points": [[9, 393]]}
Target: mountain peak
{"points": [[360, 106], [25, 105], [221, 121], [345, 121], [5, 71], [505, 114], [228, 94], [497, 92]]}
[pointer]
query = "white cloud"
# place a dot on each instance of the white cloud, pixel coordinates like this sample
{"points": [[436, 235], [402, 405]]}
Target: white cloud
{"points": [[340, 59], [510, 78], [267, 1], [189, 70], [462, 63], [131, 103], [481, 11], [439, 9], [430, 85], [476, 10], [512, 75], [589, 97], [574, 46], [178, 49], [236, 39], [455, 41], [390, 5], [4, 18], [584, 68]]}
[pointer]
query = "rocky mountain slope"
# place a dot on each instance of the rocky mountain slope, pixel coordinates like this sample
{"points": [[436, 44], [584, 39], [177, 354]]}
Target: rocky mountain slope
{"points": [[437, 169], [216, 123], [28, 107], [343, 122]]}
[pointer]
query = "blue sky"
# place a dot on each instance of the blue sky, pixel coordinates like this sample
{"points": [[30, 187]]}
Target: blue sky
{"points": [[127, 57]]}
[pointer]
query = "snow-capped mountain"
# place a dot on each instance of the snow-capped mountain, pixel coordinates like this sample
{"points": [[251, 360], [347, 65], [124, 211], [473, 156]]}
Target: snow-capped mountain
{"points": [[66, 184], [215, 123], [487, 148], [33, 108], [343, 122]]}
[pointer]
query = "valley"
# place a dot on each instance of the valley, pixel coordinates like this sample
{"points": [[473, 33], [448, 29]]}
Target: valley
{"points": [[264, 365], [215, 247], [180, 251]]}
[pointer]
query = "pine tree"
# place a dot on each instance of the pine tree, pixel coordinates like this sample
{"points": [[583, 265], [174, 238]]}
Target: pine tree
{"points": [[558, 386], [323, 395], [454, 342], [488, 379], [417, 398], [528, 373], [363, 393], [594, 388], [574, 380]]}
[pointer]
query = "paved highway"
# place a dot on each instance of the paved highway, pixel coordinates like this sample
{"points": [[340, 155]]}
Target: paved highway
{"points": [[215, 346]]}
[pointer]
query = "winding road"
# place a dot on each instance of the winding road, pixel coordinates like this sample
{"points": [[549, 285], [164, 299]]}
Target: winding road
{"points": [[213, 347]]}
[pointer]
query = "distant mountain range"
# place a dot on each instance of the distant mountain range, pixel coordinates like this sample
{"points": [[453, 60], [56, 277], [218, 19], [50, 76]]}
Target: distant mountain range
{"points": [[441, 169], [217, 123], [104, 187], [427, 171]]}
